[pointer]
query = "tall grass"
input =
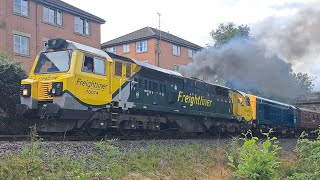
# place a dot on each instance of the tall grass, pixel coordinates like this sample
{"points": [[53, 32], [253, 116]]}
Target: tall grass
{"points": [[192, 161]]}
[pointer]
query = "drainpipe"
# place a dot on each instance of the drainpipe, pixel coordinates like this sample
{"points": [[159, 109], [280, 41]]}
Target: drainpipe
{"points": [[37, 26]]}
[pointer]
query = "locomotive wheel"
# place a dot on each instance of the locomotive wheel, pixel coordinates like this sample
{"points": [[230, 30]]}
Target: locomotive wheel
{"points": [[152, 133], [94, 132], [126, 132]]}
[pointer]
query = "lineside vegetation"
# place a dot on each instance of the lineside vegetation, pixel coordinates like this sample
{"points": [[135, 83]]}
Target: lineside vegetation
{"points": [[251, 159]]}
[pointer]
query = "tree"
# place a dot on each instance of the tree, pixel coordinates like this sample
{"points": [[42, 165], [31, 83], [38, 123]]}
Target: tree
{"points": [[304, 81], [227, 32]]}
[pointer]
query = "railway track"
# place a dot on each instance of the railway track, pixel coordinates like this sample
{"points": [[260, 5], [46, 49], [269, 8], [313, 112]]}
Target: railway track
{"points": [[59, 137], [12, 138]]}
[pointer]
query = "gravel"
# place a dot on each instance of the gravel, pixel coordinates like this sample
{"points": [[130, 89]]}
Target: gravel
{"points": [[78, 148]]}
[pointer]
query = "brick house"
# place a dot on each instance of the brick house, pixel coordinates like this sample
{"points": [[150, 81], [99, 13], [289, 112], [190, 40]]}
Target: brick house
{"points": [[143, 45], [26, 25]]}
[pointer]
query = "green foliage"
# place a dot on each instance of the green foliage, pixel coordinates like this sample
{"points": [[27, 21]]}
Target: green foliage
{"points": [[304, 81], [11, 74], [308, 166], [227, 32], [256, 161], [36, 162]]}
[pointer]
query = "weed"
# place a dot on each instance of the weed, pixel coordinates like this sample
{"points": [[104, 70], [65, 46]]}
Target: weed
{"points": [[256, 161], [308, 165]]}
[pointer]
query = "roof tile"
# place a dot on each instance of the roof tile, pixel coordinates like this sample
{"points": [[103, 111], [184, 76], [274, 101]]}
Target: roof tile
{"points": [[72, 9], [147, 33]]}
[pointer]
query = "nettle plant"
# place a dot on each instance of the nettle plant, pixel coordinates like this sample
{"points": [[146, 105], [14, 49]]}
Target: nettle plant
{"points": [[256, 159], [308, 151]]}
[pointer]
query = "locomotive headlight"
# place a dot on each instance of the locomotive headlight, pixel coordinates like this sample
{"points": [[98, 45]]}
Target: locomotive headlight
{"points": [[57, 88], [25, 90]]}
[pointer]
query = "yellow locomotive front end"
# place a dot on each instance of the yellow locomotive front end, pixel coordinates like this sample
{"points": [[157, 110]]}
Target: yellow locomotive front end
{"points": [[66, 83]]}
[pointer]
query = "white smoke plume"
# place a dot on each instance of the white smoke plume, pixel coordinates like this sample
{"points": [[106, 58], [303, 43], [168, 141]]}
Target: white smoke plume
{"points": [[256, 63]]}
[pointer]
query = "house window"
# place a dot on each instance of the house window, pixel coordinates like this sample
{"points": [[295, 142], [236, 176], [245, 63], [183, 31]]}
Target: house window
{"points": [[176, 50], [112, 50], [81, 25], [125, 48], [21, 45], [141, 46], [45, 44], [52, 16], [176, 68], [20, 7], [190, 53]]}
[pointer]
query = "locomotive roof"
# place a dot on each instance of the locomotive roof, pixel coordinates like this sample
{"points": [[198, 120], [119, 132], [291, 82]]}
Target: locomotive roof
{"points": [[156, 68], [276, 102], [87, 48], [144, 65], [120, 57], [309, 110]]}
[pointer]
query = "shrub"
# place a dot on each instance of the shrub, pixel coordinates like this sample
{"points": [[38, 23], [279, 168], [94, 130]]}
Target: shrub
{"points": [[11, 74], [308, 166], [254, 160]]}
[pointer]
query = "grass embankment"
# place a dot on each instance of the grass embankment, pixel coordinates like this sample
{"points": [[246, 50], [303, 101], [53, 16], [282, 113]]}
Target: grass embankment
{"points": [[183, 162], [249, 160]]}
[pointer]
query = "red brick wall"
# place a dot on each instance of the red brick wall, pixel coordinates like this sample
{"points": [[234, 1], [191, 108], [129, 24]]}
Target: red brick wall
{"points": [[27, 25], [167, 59], [148, 56]]}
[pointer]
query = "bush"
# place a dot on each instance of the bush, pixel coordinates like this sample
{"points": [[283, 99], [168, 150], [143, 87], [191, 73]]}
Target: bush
{"points": [[11, 74], [255, 161], [308, 166]]}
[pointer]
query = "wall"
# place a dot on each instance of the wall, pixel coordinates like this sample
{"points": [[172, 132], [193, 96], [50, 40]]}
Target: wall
{"points": [[27, 26], [167, 59]]}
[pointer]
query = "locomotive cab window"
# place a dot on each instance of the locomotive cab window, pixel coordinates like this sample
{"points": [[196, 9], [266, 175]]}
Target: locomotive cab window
{"points": [[248, 101], [53, 62], [94, 65]]}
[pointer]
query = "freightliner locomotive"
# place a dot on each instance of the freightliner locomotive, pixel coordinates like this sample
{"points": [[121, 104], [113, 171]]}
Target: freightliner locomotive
{"points": [[73, 87]]}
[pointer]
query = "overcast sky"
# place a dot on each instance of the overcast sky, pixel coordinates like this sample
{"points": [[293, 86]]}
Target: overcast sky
{"points": [[190, 20]]}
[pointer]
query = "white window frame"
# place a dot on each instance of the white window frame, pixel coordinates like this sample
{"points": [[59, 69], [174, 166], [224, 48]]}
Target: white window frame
{"points": [[125, 48], [190, 53], [22, 8], [95, 59], [82, 26], [176, 50], [19, 47], [56, 18], [141, 46], [112, 49]]}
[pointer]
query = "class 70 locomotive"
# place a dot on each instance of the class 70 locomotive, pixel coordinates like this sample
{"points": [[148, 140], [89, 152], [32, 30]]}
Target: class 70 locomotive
{"points": [[73, 87]]}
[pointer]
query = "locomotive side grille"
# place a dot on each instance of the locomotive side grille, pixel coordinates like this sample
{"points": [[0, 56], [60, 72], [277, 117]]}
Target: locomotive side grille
{"points": [[43, 91]]}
